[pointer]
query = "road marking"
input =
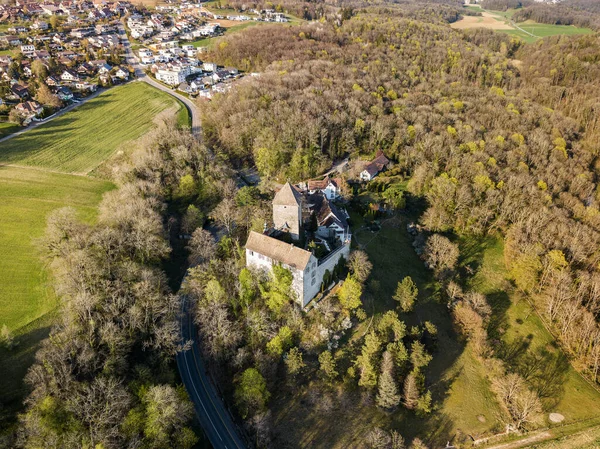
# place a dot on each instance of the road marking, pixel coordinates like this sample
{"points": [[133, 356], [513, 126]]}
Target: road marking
{"points": [[192, 381], [209, 396]]}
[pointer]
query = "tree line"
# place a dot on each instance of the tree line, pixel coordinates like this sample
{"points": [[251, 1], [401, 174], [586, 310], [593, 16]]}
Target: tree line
{"points": [[104, 378]]}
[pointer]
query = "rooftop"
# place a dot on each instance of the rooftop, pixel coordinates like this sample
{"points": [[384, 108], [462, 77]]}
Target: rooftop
{"points": [[286, 253]]}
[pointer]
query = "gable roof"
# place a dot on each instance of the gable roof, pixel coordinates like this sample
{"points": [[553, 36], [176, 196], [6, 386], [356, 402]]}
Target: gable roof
{"points": [[377, 164], [287, 196], [285, 253], [322, 184]]}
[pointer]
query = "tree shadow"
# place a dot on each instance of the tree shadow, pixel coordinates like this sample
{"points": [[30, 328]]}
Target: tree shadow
{"points": [[15, 363], [546, 373]]}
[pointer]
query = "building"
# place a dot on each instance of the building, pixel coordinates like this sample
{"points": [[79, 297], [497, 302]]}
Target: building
{"points": [[291, 211], [376, 166], [173, 76], [287, 211], [29, 109], [330, 187], [27, 50]]}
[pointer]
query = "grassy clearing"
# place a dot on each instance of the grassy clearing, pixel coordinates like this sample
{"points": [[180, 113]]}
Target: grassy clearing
{"points": [[541, 30], [78, 141], [462, 397], [538, 30], [523, 341], [26, 297]]}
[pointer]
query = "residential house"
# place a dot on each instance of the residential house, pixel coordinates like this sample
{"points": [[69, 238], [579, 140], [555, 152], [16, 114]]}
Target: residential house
{"points": [[209, 67], [69, 75], [40, 25], [377, 165], [29, 109], [19, 91], [52, 81], [330, 187], [122, 73], [64, 93]]}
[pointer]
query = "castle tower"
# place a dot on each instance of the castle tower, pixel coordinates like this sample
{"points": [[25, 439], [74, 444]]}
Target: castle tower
{"points": [[287, 211]]}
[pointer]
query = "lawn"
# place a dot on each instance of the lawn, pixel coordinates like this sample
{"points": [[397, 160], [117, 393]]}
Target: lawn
{"points": [[523, 340], [7, 129], [26, 297], [81, 139]]}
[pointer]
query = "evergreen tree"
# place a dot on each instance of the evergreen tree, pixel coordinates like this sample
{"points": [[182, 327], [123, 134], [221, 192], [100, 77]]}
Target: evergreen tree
{"points": [[406, 294], [411, 391], [327, 367], [387, 394]]}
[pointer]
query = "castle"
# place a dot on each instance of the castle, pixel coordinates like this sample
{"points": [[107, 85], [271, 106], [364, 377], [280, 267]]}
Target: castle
{"points": [[293, 213]]}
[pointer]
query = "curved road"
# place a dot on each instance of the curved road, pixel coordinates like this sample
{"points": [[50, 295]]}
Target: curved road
{"points": [[210, 409]]}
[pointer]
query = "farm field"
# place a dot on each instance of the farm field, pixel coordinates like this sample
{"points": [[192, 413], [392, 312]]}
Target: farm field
{"points": [[26, 297], [86, 136], [529, 30]]}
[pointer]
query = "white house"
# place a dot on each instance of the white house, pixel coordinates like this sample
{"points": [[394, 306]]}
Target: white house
{"points": [[330, 187], [122, 74], [28, 50], [69, 75], [376, 166]]}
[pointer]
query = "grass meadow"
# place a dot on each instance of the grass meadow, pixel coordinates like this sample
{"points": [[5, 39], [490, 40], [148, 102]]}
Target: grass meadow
{"points": [[537, 30], [27, 301], [40, 180], [81, 139], [522, 340]]}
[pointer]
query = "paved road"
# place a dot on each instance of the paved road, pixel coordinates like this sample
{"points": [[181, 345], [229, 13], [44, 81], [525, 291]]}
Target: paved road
{"points": [[210, 409], [214, 418], [141, 75]]}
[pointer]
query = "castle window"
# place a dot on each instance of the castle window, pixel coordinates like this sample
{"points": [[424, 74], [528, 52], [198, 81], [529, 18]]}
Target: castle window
{"points": [[313, 281], [251, 253]]}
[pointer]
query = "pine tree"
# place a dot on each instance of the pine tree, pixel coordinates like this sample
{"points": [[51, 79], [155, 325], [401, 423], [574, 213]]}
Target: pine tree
{"points": [[387, 394], [411, 391], [327, 366], [406, 294], [424, 404]]}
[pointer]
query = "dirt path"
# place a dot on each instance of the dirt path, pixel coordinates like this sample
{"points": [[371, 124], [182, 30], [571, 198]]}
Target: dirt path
{"points": [[524, 442]]}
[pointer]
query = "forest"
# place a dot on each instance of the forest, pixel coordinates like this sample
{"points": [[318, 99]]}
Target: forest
{"points": [[488, 138], [496, 137]]}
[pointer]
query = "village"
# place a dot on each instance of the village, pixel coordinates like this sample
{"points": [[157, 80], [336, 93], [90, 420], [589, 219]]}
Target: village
{"points": [[57, 53]]}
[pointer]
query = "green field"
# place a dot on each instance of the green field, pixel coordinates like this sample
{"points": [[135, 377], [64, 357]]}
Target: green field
{"points": [[532, 31], [523, 340], [78, 141], [7, 129], [541, 30], [26, 296]]}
